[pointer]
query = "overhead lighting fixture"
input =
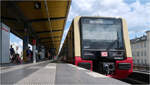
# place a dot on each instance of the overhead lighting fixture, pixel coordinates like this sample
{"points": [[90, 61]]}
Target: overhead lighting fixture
{"points": [[37, 5]]}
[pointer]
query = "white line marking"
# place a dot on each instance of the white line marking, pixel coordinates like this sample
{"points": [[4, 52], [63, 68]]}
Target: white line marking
{"points": [[79, 68], [97, 75], [50, 67]]}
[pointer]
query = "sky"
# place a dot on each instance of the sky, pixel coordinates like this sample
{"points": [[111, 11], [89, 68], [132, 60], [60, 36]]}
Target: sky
{"points": [[136, 13], [16, 41]]}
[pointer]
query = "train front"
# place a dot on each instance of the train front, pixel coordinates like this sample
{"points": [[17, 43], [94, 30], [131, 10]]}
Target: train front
{"points": [[103, 42]]}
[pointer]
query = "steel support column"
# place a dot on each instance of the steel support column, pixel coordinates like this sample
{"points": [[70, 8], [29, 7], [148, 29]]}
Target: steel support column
{"points": [[34, 51], [25, 43]]}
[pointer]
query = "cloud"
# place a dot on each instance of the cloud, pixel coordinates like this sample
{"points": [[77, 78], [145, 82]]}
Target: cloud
{"points": [[84, 5], [137, 14]]}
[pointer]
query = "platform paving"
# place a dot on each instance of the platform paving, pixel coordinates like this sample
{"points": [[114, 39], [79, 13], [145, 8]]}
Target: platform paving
{"points": [[46, 73]]}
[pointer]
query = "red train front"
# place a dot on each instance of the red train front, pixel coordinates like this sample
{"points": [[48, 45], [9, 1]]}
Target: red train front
{"points": [[100, 44]]}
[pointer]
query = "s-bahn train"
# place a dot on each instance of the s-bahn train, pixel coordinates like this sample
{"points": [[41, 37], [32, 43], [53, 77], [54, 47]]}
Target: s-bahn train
{"points": [[100, 44]]}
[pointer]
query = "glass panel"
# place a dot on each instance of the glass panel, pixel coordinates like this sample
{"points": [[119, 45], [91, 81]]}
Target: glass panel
{"points": [[102, 34]]}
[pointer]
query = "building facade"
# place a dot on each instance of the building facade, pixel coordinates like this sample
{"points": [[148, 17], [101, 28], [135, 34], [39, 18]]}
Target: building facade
{"points": [[141, 50]]}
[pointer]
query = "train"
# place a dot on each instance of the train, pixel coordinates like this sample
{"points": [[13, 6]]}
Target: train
{"points": [[99, 44]]}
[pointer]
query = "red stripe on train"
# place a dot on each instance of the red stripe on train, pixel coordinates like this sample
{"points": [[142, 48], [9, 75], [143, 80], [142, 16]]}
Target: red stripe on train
{"points": [[79, 60], [121, 74]]}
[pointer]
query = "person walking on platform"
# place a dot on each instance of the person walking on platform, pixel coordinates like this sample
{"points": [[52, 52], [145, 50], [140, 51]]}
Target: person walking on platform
{"points": [[12, 54], [49, 55], [29, 54]]}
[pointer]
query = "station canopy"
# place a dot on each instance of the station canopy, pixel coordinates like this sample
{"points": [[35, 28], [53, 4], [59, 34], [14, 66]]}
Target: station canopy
{"points": [[42, 20]]}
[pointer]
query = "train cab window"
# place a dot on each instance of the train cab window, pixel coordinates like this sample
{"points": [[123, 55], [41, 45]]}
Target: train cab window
{"points": [[101, 34]]}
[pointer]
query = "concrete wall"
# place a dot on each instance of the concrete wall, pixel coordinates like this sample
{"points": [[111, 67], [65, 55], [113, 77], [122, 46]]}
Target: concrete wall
{"points": [[5, 43]]}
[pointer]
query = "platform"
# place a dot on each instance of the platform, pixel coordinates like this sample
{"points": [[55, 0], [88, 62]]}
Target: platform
{"points": [[46, 73]]}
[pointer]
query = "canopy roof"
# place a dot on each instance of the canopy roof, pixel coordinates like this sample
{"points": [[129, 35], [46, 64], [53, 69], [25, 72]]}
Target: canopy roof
{"points": [[44, 20]]}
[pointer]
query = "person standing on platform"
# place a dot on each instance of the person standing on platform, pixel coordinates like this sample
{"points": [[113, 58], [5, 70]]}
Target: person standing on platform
{"points": [[17, 56]]}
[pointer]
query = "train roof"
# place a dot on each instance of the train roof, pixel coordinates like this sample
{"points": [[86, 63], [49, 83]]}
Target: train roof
{"points": [[98, 17]]}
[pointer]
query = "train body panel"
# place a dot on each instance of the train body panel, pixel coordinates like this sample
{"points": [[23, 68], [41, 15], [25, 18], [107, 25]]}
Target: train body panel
{"points": [[77, 45], [103, 53], [126, 39]]}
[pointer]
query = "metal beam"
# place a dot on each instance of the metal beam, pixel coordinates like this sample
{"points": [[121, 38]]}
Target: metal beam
{"points": [[34, 20], [49, 37], [46, 19], [52, 44], [8, 18], [51, 41], [39, 32], [48, 31], [52, 48], [58, 39]]}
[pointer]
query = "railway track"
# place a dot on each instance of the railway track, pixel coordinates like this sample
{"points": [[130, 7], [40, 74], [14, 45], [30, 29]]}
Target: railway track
{"points": [[138, 78]]}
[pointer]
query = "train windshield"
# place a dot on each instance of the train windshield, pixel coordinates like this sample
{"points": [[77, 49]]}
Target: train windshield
{"points": [[101, 33]]}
